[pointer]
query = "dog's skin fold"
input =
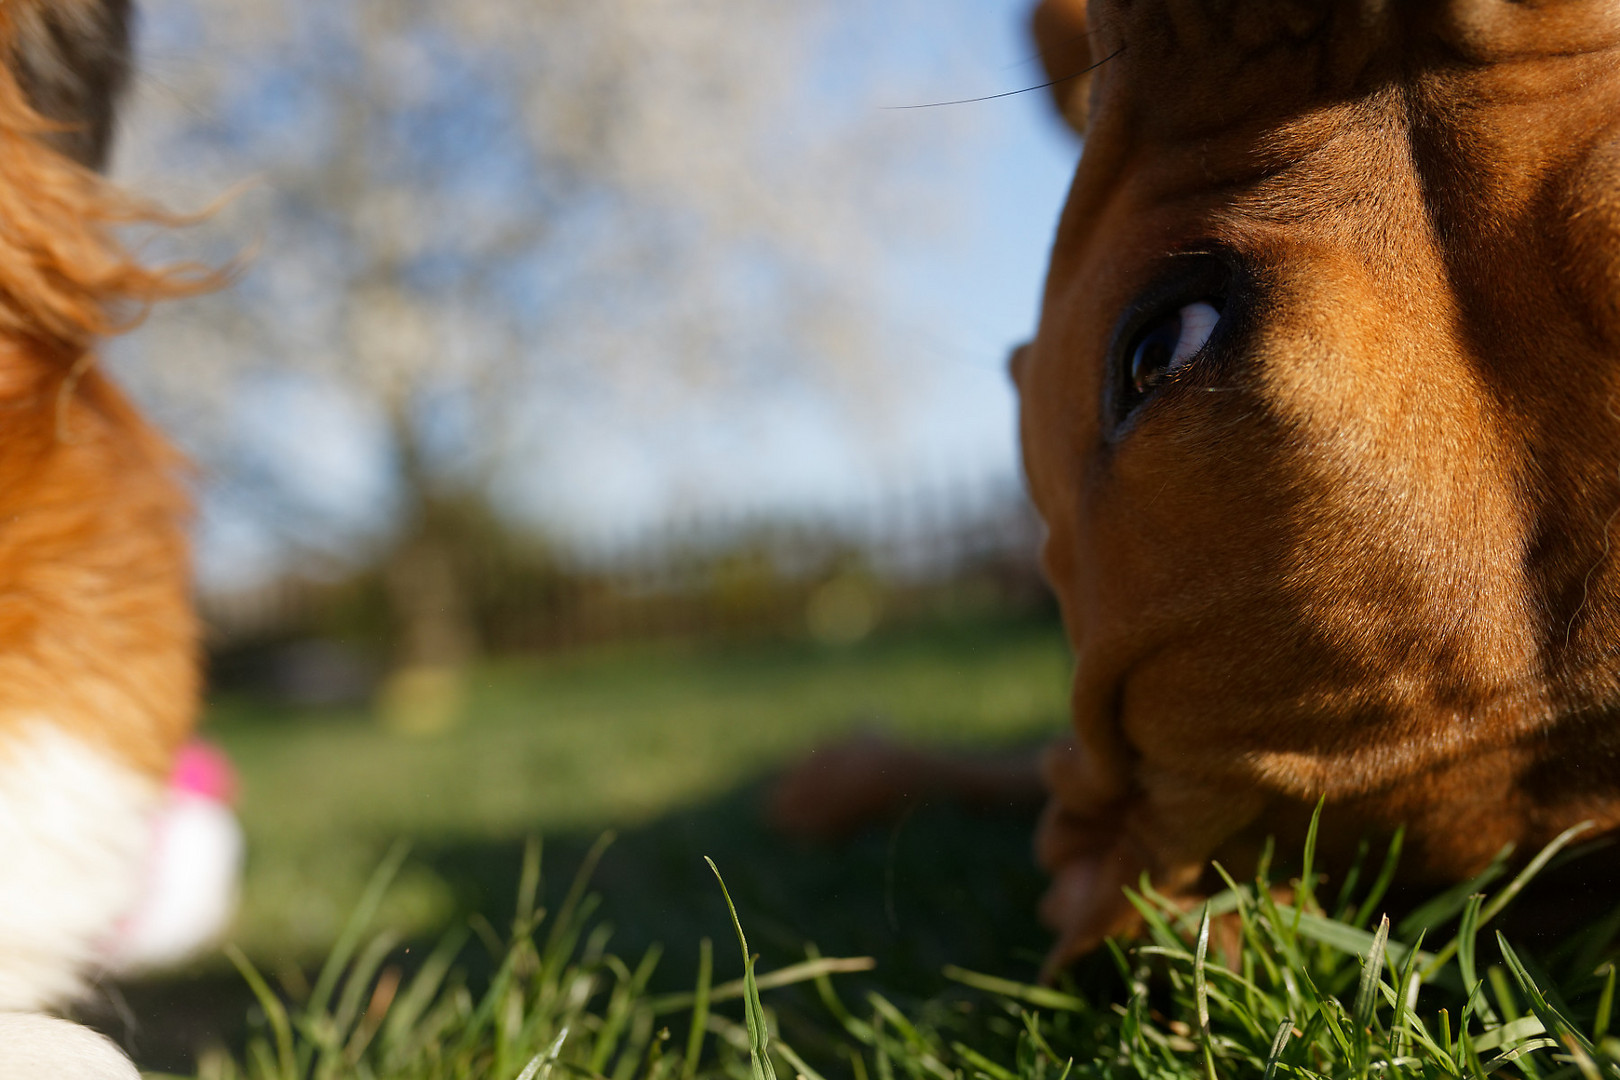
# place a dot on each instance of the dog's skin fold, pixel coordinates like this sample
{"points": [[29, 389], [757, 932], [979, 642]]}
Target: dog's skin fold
{"points": [[1362, 544]]}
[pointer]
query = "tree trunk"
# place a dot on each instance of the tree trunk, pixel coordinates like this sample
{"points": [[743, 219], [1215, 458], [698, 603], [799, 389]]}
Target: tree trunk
{"points": [[427, 600], [435, 637]]}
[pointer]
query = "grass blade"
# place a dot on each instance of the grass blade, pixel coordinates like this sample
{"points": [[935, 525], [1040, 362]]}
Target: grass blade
{"points": [[1405, 995], [1201, 993], [560, 938], [1531, 869], [524, 919], [274, 1012], [1372, 969], [803, 971], [800, 1066], [758, 1035], [1279, 1042], [1348, 939], [539, 1067], [1513, 888], [1467, 935], [424, 987], [1041, 996], [1437, 910], [1605, 1006], [982, 1063], [349, 939], [1307, 873], [1386, 875], [700, 1010], [1554, 1021], [355, 991]]}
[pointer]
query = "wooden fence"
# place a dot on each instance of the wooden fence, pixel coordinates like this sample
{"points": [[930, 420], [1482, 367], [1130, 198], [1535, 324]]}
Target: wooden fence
{"points": [[950, 549]]}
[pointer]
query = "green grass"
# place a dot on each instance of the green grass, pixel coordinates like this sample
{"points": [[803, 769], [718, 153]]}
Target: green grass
{"points": [[565, 748], [1311, 990], [428, 974]]}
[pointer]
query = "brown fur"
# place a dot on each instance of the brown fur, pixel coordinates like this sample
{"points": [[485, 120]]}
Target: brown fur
{"points": [[96, 630], [1367, 551]]}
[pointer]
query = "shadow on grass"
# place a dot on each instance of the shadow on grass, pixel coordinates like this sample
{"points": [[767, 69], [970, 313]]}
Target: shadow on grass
{"points": [[939, 887]]}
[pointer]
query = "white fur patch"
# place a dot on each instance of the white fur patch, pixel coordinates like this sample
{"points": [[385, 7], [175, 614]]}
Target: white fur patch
{"points": [[34, 1047], [75, 825], [188, 892]]}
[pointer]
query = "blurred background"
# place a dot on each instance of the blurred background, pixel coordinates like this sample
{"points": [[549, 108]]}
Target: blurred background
{"points": [[610, 407]]}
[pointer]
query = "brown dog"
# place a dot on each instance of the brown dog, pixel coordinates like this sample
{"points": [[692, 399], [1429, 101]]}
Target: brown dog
{"points": [[1323, 417]]}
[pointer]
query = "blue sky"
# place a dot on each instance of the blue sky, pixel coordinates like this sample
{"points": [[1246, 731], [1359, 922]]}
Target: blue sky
{"points": [[975, 191], [957, 299]]}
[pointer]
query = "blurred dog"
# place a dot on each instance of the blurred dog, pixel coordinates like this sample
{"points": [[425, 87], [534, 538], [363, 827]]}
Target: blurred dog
{"points": [[1323, 418], [98, 642]]}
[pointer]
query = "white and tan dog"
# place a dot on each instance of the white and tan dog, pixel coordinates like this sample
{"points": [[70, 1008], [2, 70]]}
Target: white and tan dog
{"points": [[98, 642]]}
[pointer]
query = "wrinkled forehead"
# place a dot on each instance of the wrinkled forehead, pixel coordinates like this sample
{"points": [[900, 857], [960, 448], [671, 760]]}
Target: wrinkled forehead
{"points": [[1181, 68]]}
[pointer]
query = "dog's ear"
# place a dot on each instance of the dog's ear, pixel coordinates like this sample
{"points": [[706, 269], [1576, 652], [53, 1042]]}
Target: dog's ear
{"points": [[72, 60], [1065, 47]]}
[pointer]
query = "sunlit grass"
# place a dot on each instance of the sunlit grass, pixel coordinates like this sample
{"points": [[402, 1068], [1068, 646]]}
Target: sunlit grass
{"points": [[577, 744], [1320, 987]]}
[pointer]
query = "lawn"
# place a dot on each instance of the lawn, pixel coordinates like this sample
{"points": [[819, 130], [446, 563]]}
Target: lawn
{"points": [[671, 748]]}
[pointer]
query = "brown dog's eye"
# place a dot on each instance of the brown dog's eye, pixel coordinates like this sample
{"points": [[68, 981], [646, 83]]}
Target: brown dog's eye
{"points": [[1181, 324], [1167, 345]]}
